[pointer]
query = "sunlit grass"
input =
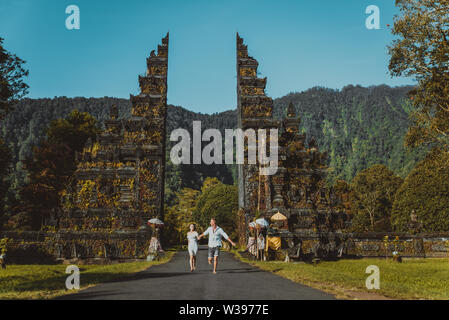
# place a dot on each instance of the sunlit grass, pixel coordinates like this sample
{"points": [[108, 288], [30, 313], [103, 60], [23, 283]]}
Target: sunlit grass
{"points": [[413, 279], [48, 281]]}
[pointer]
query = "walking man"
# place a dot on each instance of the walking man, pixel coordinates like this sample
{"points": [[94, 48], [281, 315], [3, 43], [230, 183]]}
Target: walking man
{"points": [[215, 234]]}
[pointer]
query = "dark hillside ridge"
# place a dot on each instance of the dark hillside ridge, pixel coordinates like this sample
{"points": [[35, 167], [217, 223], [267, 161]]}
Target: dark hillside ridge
{"points": [[357, 126]]}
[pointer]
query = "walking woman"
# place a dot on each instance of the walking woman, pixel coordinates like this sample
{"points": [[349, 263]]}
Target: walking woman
{"points": [[192, 237]]}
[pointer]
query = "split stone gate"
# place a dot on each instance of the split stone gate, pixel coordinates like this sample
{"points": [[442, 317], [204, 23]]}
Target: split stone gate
{"points": [[120, 183]]}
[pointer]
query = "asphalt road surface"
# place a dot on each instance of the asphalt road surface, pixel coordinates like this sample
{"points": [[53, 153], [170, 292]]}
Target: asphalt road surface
{"points": [[173, 281]]}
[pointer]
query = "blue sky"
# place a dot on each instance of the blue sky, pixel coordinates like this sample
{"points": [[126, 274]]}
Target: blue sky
{"points": [[299, 44]]}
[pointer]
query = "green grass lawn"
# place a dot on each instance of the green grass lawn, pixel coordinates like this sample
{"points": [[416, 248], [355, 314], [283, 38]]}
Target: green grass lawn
{"points": [[413, 279], [48, 281]]}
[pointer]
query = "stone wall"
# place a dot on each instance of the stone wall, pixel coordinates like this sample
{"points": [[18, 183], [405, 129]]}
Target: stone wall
{"points": [[341, 245], [47, 247]]}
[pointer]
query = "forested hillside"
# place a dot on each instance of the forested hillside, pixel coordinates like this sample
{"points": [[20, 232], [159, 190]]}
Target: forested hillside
{"points": [[358, 126]]}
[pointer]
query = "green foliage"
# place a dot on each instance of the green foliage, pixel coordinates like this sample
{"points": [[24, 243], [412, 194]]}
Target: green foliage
{"points": [[219, 201], [5, 158], [192, 206], [4, 245], [425, 190], [358, 127], [374, 189], [344, 193], [179, 216], [12, 87], [28, 124], [173, 182], [209, 183], [5, 163], [74, 130], [47, 281], [49, 172], [51, 168], [421, 50], [414, 279]]}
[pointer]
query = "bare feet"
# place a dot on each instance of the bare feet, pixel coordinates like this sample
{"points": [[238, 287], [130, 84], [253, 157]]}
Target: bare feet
{"points": [[215, 272]]}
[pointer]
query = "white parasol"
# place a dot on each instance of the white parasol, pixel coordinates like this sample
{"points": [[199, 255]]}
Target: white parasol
{"points": [[262, 222], [156, 221]]}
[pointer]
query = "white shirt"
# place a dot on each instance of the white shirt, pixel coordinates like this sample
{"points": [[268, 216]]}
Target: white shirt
{"points": [[215, 237]]}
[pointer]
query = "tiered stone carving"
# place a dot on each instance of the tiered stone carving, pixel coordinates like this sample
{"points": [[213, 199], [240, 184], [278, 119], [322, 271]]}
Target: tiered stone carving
{"points": [[298, 189], [255, 112], [120, 176]]}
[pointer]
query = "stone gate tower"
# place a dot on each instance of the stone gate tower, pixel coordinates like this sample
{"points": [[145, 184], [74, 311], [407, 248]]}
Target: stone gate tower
{"points": [[298, 188], [120, 176], [254, 111]]}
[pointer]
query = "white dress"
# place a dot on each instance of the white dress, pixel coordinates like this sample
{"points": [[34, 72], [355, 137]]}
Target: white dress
{"points": [[193, 242]]}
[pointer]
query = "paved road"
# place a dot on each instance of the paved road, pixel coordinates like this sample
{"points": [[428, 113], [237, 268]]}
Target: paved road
{"points": [[173, 281]]}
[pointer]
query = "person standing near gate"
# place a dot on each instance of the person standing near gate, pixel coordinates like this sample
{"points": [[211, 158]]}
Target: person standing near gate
{"points": [[261, 246], [3, 260], [215, 234]]}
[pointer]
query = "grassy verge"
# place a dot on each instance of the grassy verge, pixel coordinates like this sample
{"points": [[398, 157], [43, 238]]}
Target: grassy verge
{"points": [[413, 279], [48, 281]]}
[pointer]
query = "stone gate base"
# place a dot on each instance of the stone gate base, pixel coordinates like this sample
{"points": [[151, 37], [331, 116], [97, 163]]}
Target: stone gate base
{"points": [[307, 246], [89, 247]]}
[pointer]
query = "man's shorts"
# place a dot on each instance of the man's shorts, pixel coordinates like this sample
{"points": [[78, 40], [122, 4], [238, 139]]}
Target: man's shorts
{"points": [[213, 252]]}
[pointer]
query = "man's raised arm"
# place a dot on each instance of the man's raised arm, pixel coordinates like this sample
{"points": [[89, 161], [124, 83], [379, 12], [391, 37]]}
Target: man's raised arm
{"points": [[227, 237]]}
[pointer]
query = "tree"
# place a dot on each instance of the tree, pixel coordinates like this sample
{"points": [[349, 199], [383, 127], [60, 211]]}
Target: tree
{"points": [[374, 190], [5, 160], [358, 126], [344, 194], [209, 183], [48, 172], [179, 216], [12, 87], [218, 201], [52, 165], [422, 51], [425, 190], [74, 130], [215, 199], [173, 182]]}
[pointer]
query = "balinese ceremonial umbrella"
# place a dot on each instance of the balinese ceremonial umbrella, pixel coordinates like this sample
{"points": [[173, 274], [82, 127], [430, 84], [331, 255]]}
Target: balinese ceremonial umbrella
{"points": [[280, 220], [252, 225], [262, 222], [156, 222], [278, 217]]}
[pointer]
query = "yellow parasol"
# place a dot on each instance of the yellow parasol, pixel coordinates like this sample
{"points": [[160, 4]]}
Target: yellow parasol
{"points": [[278, 217]]}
